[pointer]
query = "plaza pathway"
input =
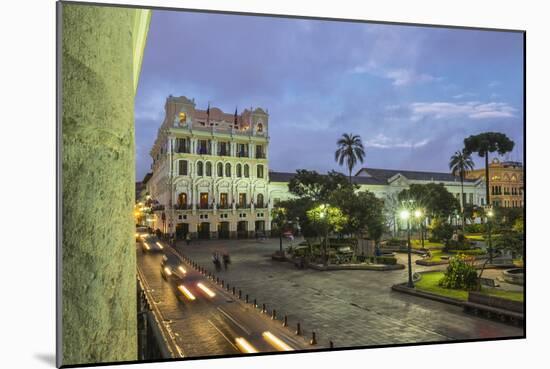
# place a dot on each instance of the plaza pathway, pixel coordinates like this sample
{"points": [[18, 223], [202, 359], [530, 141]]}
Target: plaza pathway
{"points": [[351, 308]]}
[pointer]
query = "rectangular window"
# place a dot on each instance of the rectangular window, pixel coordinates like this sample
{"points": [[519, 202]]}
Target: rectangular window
{"points": [[223, 149], [260, 152], [182, 167], [242, 200], [242, 150], [204, 200], [224, 203], [471, 200]]}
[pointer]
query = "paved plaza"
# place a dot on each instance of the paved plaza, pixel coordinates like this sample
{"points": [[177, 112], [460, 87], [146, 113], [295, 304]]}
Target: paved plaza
{"points": [[351, 308]]}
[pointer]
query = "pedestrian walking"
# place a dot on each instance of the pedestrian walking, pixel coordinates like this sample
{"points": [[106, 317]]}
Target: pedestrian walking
{"points": [[216, 261], [188, 238], [226, 260]]}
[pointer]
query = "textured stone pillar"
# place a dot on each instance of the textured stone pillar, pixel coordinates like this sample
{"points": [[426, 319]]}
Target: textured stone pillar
{"points": [[98, 280]]}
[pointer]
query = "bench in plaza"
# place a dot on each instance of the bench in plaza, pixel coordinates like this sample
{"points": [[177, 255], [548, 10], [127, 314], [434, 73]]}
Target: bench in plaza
{"points": [[494, 307]]}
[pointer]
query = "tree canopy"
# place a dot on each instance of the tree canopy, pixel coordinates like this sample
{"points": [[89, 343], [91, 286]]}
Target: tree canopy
{"points": [[316, 187], [434, 198], [351, 150], [487, 142]]}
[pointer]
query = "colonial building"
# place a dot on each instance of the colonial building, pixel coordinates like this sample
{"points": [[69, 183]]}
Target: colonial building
{"points": [[505, 183], [210, 172], [387, 182]]}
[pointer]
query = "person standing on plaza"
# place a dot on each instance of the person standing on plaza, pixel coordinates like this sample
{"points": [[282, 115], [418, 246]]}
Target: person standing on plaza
{"points": [[188, 238]]}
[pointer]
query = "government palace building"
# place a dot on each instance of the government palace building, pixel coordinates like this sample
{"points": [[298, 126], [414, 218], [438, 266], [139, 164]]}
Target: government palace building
{"points": [[211, 178]]}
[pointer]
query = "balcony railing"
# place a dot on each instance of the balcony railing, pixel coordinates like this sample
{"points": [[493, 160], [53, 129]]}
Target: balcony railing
{"points": [[224, 206], [182, 206], [242, 154], [243, 206], [260, 155], [223, 152], [205, 206], [260, 206]]}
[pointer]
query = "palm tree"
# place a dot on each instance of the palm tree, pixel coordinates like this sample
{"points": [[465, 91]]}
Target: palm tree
{"points": [[460, 163], [351, 150]]}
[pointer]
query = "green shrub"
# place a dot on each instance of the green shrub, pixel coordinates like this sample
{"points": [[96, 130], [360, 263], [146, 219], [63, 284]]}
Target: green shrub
{"points": [[441, 231], [475, 228], [459, 274]]}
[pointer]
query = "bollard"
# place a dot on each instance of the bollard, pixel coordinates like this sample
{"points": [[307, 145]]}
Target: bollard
{"points": [[285, 322], [217, 280], [274, 314], [298, 329], [263, 308], [330, 344], [223, 283], [255, 304], [240, 295], [233, 291], [227, 286], [313, 339], [246, 298]]}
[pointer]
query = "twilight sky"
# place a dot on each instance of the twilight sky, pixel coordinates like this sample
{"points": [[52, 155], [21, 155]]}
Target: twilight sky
{"points": [[412, 93]]}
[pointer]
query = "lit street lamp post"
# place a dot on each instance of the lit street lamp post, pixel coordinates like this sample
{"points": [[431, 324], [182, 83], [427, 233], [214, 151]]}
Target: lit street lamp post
{"points": [[405, 215]]}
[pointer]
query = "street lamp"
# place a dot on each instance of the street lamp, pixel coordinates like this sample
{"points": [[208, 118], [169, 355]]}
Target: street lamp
{"points": [[406, 215], [490, 215]]}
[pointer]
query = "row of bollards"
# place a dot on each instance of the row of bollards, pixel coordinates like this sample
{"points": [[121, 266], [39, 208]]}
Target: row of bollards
{"points": [[223, 284]]}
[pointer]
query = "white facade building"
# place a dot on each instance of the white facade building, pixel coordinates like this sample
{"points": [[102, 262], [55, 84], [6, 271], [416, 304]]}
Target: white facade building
{"points": [[210, 172]]}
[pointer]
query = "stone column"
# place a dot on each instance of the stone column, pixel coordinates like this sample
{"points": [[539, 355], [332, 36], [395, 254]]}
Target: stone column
{"points": [[101, 56]]}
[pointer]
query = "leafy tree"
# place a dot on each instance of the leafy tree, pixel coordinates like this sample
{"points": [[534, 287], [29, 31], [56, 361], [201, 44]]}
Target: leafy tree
{"points": [[364, 212], [485, 143], [326, 219], [519, 225], [316, 187], [513, 242], [351, 150], [279, 217], [459, 164], [434, 198]]}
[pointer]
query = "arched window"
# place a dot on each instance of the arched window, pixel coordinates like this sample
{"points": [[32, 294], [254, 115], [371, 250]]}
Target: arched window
{"points": [[208, 169], [182, 200], [200, 167], [260, 201], [260, 127], [260, 171], [239, 170], [246, 171], [220, 170], [227, 170]]}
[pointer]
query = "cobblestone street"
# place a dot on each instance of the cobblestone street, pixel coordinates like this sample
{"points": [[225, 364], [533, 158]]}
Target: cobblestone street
{"points": [[351, 308]]}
